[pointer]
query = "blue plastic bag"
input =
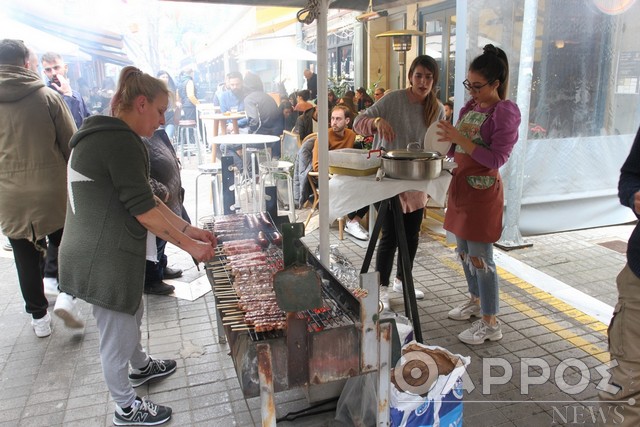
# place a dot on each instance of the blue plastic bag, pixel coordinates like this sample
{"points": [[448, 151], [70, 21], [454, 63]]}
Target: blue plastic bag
{"points": [[429, 402]]}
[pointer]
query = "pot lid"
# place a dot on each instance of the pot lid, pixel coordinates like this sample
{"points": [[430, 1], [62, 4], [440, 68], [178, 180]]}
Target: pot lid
{"points": [[413, 155]]}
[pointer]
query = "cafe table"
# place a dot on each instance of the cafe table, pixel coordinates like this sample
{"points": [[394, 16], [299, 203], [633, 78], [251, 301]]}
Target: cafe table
{"points": [[216, 124], [246, 141]]}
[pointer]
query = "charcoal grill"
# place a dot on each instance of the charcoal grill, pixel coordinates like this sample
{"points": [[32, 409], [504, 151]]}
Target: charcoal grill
{"points": [[319, 349]]}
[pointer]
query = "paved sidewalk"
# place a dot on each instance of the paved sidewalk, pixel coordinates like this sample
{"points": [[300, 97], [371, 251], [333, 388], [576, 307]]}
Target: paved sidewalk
{"points": [[57, 381]]}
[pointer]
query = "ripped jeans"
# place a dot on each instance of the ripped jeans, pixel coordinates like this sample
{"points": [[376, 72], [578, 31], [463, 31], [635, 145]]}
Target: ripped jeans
{"points": [[483, 283]]}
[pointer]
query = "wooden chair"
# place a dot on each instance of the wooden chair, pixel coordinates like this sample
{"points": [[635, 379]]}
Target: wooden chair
{"points": [[308, 137], [314, 190]]}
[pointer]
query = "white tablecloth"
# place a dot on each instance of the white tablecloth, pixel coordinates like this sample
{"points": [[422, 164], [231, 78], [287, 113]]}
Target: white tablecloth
{"points": [[350, 193]]}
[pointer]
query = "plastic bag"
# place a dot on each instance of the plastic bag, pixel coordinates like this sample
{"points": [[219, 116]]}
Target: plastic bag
{"points": [[358, 403], [424, 403]]}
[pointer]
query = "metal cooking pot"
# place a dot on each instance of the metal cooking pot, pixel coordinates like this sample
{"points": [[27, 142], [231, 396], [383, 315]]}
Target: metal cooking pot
{"points": [[412, 164]]}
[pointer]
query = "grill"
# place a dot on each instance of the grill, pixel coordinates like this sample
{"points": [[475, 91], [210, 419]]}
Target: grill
{"points": [[317, 348]]}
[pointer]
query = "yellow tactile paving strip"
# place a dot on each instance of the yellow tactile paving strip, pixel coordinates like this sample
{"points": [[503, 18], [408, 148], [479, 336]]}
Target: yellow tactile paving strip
{"points": [[597, 351], [592, 349]]}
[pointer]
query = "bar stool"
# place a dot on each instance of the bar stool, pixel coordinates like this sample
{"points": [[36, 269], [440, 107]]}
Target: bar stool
{"points": [[187, 132], [268, 171], [212, 170]]}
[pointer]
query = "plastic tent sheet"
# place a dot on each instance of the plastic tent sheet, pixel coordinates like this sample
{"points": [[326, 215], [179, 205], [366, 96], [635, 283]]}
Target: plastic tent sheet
{"points": [[572, 183]]}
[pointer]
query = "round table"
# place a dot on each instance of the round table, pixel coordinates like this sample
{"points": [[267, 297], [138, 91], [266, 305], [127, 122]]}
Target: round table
{"points": [[245, 140], [241, 139]]}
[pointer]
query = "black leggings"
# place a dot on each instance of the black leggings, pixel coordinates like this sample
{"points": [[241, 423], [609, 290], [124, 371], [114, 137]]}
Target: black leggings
{"points": [[389, 243], [359, 213], [29, 259]]}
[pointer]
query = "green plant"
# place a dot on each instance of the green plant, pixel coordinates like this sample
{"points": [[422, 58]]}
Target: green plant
{"points": [[372, 87], [339, 85]]}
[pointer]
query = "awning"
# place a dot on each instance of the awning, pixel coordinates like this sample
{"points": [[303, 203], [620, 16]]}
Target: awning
{"points": [[99, 43], [239, 28], [39, 41], [278, 52], [270, 20], [337, 4]]}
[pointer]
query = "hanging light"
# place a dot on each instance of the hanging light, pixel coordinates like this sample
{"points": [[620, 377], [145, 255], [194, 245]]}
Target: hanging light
{"points": [[401, 39], [370, 16]]}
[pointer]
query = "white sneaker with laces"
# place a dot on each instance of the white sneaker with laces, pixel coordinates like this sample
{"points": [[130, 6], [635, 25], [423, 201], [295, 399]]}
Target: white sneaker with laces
{"points": [[67, 309], [479, 332], [50, 286], [42, 326], [356, 230], [384, 297], [465, 311], [397, 287]]}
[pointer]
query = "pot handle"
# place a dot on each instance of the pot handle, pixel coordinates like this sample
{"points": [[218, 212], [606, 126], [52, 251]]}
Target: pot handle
{"points": [[414, 146], [374, 151]]}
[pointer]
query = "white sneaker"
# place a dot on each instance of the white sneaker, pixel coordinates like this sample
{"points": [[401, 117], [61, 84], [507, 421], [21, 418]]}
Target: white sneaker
{"points": [[356, 230], [397, 287], [465, 311], [67, 310], [42, 326], [50, 286], [384, 297], [479, 332]]}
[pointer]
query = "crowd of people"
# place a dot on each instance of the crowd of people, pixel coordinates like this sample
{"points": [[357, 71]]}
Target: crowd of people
{"points": [[89, 202], [89, 192]]}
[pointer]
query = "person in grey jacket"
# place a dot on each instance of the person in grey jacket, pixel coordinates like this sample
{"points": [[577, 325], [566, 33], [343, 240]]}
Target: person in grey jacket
{"points": [[36, 128], [112, 222], [167, 185]]}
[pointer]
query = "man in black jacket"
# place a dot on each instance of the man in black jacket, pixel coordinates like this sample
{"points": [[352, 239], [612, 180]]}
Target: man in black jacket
{"points": [[312, 83]]}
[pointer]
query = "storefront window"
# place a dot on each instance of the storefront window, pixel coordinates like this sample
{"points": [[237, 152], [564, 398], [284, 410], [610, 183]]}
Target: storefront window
{"points": [[586, 68], [581, 111]]}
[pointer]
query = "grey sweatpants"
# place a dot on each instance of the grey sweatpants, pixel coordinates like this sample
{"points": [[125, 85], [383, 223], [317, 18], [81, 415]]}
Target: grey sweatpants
{"points": [[120, 345]]}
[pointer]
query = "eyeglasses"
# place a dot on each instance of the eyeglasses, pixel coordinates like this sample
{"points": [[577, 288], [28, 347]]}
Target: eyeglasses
{"points": [[55, 67], [476, 88]]}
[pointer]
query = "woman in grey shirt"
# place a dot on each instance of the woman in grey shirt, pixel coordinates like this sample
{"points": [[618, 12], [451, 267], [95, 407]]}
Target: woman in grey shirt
{"points": [[401, 117]]}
